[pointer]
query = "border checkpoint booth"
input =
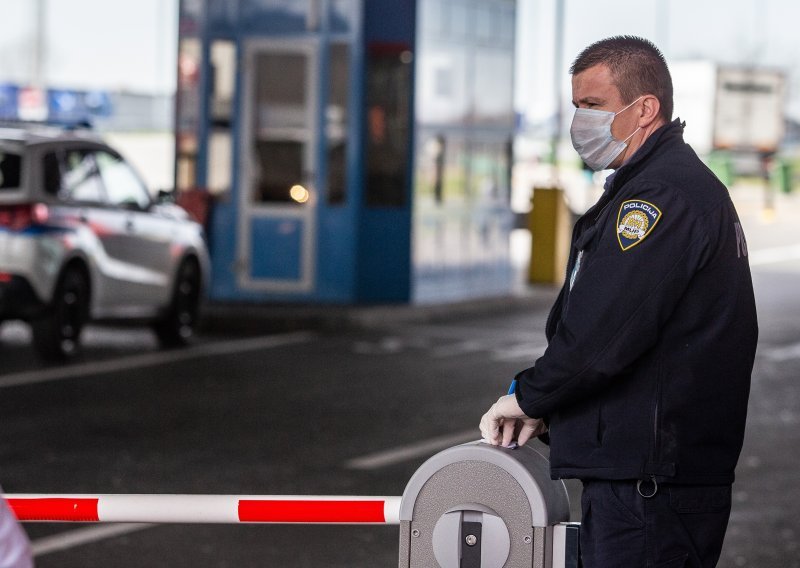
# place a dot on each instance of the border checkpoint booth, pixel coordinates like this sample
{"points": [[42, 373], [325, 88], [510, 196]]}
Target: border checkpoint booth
{"points": [[349, 151]]}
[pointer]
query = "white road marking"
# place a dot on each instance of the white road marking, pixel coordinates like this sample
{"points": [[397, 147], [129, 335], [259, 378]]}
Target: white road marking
{"points": [[519, 352], [785, 353], [460, 348], [401, 454], [774, 255], [152, 359], [71, 539], [386, 346]]}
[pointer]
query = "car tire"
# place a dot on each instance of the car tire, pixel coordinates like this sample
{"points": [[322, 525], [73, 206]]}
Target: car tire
{"points": [[177, 327], [56, 335]]}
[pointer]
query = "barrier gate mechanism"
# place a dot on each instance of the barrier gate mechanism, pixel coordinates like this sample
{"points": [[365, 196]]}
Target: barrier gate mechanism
{"points": [[482, 506], [470, 506]]}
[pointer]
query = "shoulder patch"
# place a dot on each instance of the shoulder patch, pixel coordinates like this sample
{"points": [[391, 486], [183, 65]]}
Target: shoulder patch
{"points": [[635, 220]]}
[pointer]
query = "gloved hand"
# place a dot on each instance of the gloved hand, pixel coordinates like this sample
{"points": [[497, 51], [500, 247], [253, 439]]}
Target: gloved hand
{"points": [[505, 421]]}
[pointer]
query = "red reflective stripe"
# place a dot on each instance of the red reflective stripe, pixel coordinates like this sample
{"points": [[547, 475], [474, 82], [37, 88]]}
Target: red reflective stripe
{"points": [[55, 509], [267, 511]]}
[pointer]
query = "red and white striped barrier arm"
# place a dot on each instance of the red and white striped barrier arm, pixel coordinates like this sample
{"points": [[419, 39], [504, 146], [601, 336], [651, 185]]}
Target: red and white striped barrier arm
{"points": [[279, 509]]}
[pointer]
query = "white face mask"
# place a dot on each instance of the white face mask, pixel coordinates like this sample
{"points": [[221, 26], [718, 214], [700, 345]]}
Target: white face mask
{"points": [[592, 138]]}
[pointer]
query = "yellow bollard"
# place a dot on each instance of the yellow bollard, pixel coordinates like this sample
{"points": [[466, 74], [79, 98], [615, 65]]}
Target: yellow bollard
{"points": [[549, 223]]}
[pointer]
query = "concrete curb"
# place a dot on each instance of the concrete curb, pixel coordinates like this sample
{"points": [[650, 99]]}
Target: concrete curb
{"points": [[222, 317]]}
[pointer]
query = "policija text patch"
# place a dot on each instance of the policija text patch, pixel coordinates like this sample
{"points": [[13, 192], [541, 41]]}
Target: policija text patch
{"points": [[635, 220]]}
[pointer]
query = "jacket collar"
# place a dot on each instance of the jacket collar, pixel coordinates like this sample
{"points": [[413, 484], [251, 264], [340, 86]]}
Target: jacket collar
{"points": [[669, 132]]}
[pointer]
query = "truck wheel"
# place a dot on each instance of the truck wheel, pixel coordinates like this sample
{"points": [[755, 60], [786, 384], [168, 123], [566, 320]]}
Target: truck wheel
{"points": [[178, 325], [56, 335]]}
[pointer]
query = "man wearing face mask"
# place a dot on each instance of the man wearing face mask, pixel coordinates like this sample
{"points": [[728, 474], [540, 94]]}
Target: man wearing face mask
{"points": [[643, 388]]}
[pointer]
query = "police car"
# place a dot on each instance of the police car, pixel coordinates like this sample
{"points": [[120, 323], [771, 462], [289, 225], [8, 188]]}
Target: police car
{"points": [[81, 239]]}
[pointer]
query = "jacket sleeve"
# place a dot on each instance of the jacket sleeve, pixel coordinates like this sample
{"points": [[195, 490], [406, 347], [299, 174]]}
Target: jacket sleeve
{"points": [[625, 289]]}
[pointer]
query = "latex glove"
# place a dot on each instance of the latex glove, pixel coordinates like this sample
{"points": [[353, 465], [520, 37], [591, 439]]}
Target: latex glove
{"points": [[505, 420]]}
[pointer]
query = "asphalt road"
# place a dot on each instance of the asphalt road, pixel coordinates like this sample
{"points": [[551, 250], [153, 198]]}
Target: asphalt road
{"points": [[284, 419], [294, 413]]}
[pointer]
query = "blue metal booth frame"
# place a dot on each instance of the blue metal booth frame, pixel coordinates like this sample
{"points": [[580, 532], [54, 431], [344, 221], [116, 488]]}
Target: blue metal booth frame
{"points": [[352, 151]]}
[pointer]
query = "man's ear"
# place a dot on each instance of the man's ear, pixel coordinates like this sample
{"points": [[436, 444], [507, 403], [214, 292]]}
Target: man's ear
{"points": [[651, 106]]}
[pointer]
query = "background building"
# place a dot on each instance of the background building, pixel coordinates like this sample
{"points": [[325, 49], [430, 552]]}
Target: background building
{"points": [[354, 151]]}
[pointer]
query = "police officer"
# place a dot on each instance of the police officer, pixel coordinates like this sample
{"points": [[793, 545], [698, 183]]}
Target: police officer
{"points": [[642, 392]]}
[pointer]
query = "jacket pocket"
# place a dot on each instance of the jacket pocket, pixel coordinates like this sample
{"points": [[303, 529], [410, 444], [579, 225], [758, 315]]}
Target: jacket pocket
{"points": [[694, 499], [616, 501], [578, 429]]}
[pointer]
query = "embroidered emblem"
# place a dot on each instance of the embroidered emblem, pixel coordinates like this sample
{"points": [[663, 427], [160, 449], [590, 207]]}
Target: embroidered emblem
{"points": [[636, 220]]}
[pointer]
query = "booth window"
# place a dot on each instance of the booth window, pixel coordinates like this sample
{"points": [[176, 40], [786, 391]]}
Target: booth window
{"points": [[342, 17], [220, 144], [336, 122], [388, 119], [283, 126], [187, 115]]}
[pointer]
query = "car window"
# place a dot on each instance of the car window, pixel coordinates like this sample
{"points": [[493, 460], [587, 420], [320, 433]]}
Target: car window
{"points": [[52, 174], [80, 180], [123, 186], [10, 170]]}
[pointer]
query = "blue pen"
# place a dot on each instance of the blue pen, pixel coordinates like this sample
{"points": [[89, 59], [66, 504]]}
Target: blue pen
{"points": [[512, 388]]}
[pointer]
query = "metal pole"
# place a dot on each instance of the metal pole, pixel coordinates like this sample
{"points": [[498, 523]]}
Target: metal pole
{"points": [[39, 43], [558, 57], [662, 26]]}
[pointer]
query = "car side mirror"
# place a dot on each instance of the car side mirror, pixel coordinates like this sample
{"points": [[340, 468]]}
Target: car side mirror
{"points": [[165, 196]]}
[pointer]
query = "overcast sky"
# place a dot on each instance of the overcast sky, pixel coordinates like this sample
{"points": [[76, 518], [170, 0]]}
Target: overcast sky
{"points": [[107, 44], [130, 44], [735, 32]]}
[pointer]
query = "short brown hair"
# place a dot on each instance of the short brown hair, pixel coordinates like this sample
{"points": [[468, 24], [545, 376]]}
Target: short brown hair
{"points": [[637, 66]]}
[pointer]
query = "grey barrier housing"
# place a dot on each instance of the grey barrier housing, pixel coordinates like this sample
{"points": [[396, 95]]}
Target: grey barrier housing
{"points": [[482, 506]]}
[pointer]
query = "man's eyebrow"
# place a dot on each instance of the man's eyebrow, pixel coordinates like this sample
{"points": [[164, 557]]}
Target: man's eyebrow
{"points": [[589, 101]]}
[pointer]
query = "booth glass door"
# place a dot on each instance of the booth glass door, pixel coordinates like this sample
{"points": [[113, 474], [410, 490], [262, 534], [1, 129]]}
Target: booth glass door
{"points": [[277, 221]]}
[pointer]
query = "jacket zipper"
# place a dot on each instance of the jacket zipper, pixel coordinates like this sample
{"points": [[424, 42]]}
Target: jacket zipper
{"points": [[656, 437], [563, 298], [656, 415], [647, 486]]}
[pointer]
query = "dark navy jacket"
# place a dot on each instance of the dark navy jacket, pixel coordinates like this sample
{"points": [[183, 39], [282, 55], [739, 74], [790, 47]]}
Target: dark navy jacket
{"points": [[647, 370]]}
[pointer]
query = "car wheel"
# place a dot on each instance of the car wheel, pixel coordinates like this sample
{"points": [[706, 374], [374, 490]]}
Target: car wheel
{"points": [[56, 335], [177, 327]]}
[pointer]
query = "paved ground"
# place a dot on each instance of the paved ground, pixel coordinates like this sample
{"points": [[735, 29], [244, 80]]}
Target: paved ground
{"points": [[288, 414], [764, 530]]}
